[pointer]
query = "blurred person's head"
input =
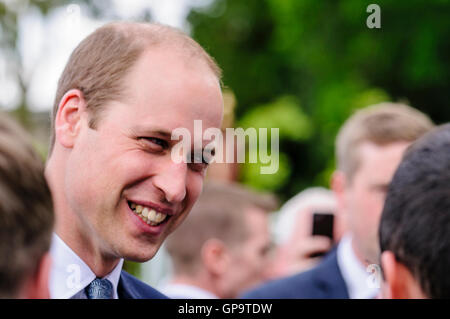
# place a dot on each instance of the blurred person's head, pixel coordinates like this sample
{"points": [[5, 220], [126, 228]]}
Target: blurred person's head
{"points": [[369, 148], [293, 230], [224, 244], [125, 88], [415, 223], [26, 216]]}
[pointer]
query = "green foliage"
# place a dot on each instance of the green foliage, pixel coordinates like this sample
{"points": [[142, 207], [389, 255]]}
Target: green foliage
{"points": [[132, 268], [320, 58], [251, 174], [285, 113]]}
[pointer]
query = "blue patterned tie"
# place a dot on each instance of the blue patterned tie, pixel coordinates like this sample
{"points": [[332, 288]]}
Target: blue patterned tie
{"points": [[100, 289]]}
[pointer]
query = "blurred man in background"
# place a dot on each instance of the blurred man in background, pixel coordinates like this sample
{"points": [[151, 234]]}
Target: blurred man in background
{"points": [[415, 224], [26, 216], [369, 148], [297, 248], [223, 247], [117, 190]]}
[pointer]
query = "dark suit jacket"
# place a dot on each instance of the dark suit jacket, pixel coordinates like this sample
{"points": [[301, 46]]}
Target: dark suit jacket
{"points": [[325, 281], [131, 288]]}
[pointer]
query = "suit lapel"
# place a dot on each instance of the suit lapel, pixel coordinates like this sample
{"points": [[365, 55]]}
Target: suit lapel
{"points": [[329, 278], [125, 289]]}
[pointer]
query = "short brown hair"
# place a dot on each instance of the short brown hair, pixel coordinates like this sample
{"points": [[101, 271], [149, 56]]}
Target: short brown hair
{"points": [[381, 124], [26, 210], [218, 213], [99, 63]]}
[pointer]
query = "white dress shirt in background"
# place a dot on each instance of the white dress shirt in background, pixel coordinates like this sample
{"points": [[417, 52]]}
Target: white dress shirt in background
{"points": [[181, 291], [358, 280]]}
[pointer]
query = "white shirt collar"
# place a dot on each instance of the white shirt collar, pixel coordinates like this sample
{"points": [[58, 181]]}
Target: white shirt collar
{"points": [[182, 291], [69, 274], [356, 277]]}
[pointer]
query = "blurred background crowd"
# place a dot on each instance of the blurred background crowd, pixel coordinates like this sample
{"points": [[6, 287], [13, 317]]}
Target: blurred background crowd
{"points": [[303, 66]]}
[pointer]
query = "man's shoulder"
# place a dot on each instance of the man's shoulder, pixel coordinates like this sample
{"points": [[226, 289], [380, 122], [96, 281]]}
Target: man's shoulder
{"points": [[323, 281], [132, 288], [292, 287]]}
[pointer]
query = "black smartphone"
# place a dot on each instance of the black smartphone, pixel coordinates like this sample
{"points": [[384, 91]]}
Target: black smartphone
{"points": [[323, 224]]}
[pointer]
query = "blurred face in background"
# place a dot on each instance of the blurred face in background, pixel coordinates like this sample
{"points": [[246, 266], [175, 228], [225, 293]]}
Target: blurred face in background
{"points": [[364, 195], [248, 260]]}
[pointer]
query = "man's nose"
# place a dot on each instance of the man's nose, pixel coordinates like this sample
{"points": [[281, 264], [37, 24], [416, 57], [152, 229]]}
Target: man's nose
{"points": [[172, 182]]}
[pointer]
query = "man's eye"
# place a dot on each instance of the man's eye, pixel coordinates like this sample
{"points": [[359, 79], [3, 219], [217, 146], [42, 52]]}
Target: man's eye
{"points": [[155, 142]]}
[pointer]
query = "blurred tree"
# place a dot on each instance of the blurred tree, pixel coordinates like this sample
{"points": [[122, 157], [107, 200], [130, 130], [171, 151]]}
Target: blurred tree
{"points": [[294, 125], [323, 53], [10, 12]]}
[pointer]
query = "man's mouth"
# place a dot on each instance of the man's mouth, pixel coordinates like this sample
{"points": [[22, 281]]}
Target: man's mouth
{"points": [[148, 214]]}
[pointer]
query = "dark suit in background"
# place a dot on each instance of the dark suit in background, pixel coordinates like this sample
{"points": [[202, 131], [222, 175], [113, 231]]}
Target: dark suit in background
{"points": [[324, 281]]}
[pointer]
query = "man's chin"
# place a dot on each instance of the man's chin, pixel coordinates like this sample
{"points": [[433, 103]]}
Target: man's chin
{"points": [[140, 256]]}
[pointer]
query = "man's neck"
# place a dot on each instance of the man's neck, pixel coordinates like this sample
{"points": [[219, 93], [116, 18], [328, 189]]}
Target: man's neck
{"points": [[359, 256], [100, 264], [71, 229]]}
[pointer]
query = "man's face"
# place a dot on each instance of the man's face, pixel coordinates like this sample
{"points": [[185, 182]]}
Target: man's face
{"points": [[249, 259], [366, 193], [126, 161]]}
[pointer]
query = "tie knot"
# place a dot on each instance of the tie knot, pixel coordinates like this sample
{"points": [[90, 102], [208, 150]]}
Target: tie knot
{"points": [[100, 289]]}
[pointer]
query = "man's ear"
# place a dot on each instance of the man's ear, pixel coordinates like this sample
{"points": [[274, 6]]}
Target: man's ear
{"points": [[36, 287], [68, 117], [215, 256], [398, 283], [388, 266], [339, 185]]}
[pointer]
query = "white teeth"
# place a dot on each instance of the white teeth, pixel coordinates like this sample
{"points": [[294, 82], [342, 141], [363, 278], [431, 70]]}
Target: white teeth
{"points": [[148, 215], [152, 215], [155, 217], [159, 217]]}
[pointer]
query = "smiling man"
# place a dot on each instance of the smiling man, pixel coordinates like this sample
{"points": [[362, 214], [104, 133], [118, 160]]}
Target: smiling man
{"points": [[117, 192]]}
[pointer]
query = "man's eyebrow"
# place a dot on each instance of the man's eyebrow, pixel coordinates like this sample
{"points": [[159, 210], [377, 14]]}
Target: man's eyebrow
{"points": [[163, 133], [141, 130]]}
